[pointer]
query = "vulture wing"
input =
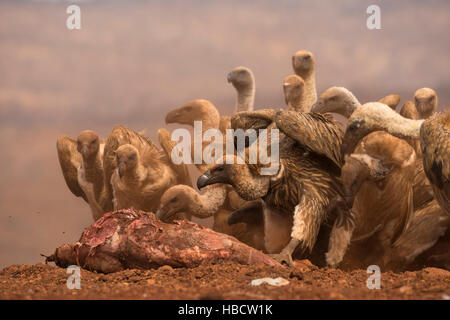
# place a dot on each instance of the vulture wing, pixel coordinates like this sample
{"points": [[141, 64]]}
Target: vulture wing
{"points": [[259, 119], [180, 169], [435, 143], [70, 160], [314, 131]]}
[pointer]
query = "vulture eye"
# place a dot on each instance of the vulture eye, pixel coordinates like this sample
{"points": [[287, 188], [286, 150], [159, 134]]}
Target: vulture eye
{"points": [[174, 200]]}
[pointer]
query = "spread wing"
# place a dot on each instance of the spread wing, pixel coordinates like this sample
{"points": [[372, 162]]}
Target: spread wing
{"points": [[180, 169], [70, 160], [313, 131]]}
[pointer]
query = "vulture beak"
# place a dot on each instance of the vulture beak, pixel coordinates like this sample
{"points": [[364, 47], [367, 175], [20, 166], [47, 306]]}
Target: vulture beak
{"points": [[229, 77], [162, 214], [172, 116], [210, 177], [315, 107], [84, 151], [122, 168]]}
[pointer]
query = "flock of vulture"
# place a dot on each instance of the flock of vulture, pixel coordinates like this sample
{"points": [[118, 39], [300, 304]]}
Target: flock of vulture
{"points": [[377, 187]]}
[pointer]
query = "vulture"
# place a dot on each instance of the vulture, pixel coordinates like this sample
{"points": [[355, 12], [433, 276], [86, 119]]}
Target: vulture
{"points": [[293, 87], [181, 202], [433, 132], [81, 162], [378, 185], [137, 172], [342, 101], [296, 199], [426, 102], [304, 65], [196, 110], [243, 81]]}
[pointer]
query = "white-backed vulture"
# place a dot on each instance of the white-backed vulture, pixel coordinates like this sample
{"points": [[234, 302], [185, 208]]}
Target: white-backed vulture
{"points": [[243, 81], [378, 185], [304, 65], [196, 110], [293, 88], [82, 166], [434, 134], [296, 199], [342, 101], [137, 170], [426, 102], [182, 202]]}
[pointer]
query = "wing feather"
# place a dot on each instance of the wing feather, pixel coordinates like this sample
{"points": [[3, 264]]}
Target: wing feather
{"points": [[70, 160]]}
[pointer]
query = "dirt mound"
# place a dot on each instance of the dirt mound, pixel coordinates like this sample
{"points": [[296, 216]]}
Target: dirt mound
{"points": [[221, 281]]}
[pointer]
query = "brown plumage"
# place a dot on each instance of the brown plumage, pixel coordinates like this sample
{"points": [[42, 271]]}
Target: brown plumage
{"points": [[82, 166], [243, 81], [434, 141], [137, 170], [304, 65], [293, 87], [391, 100], [378, 184], [296, 199], [426, 226]]}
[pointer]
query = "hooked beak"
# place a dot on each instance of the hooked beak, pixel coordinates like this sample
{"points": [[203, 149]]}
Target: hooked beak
{"points": [[229, 77], [209, 178], [84, 151], [122, 168], [172, 116], [317, 108]]}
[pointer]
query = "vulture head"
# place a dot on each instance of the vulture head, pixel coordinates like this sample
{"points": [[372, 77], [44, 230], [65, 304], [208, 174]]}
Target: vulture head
{"points": [[391, 100], [127, 159], [245, 179], [293, 87], [376, 116], [174, 203], [241, 78], [88, 144], [195, 110], [426, 102], [338, 100], [303, 63]]}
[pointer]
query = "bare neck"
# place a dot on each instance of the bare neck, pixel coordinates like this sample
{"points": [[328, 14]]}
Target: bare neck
{"points": [[207, 204], [245, 98]]}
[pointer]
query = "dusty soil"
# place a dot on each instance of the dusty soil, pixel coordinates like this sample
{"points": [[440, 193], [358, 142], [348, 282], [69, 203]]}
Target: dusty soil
{"points": [[222, 281]]}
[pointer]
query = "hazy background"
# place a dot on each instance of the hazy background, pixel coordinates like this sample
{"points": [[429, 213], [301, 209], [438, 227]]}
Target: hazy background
{"points": [[133, 61]]}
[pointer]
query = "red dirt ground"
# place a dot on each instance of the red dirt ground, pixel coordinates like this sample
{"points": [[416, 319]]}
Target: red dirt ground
{"points": [[222, 281]]}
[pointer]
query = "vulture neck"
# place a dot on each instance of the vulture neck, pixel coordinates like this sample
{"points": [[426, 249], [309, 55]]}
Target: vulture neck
{"points": [[93, 165], [207, 204], [404, 128], [297, 103], [309, 92], [351, 103], [135, 176], [245, 98]]}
